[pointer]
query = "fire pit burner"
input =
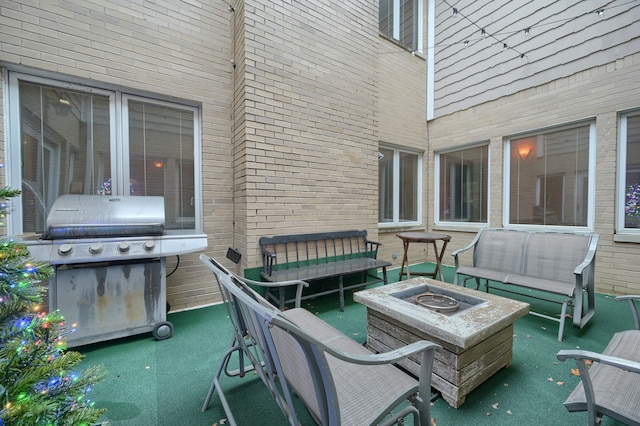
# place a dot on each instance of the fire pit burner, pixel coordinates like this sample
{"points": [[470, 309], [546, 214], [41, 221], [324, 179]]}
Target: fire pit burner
{"points": [[437, 302]]}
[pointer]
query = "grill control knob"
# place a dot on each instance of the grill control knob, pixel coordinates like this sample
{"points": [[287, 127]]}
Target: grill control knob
{"points": [[95, 248], [65, 249], [149, 245], [123, 247]]}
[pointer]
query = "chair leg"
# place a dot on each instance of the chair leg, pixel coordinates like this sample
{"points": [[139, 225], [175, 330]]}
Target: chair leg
{"points": [[224, 366], [563, 315], [341, 286]]}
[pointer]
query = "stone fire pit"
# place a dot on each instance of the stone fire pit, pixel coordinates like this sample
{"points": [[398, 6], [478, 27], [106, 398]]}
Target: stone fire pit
{"points": [[477, 336]]}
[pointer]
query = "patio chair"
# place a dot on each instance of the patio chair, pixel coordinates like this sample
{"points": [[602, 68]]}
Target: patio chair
{"points": [[611, 386], [339, 380], [247, 340]]}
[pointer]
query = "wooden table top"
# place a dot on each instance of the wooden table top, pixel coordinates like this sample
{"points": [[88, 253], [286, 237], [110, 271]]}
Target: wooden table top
{"points": [[423, 237]]}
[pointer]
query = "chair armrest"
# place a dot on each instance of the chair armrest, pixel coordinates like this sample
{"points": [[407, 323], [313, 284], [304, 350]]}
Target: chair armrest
{"points": [[581, 356], [634, 308], [588, 260], [299, 283], [384, 357], [471, 245], [372, 247], [268, 260], [456, 253]]}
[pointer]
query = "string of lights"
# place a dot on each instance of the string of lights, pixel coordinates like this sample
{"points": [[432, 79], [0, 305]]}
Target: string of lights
{"points": [[500, 38]]}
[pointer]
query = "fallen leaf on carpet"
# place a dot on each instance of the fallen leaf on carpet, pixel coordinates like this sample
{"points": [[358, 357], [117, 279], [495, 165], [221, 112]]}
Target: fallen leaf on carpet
{"points": [[575, 372], [544, 328], [550, 379], [506, 384], [433, 422], [488, 413], [559, 383], [495, 406], [509, 412]]}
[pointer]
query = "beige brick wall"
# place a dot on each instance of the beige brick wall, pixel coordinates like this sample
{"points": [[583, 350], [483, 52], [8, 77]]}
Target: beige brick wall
{"points": [[309, 148], [179, 49], [599, 93]]}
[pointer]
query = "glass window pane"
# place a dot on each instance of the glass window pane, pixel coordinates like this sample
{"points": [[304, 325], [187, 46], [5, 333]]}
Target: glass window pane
{"points": [[632, 192], [549, 177], [463, 185], [161, 146], [385, 20], [406, 23], [408, 211], [385, 186], [398, 20], [65, 147]]}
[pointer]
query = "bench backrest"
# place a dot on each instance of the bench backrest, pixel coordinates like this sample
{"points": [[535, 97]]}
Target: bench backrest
{"points": [[289, 251], [554, 256], [547, 255], [500, 250]]}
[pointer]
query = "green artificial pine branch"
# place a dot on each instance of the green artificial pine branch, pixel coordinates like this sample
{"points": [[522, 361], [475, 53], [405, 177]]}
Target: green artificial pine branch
{"points": [[38, 383]]}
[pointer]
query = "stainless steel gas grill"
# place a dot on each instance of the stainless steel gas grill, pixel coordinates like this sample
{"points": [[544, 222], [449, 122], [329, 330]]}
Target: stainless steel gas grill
{"points": [[110, 254]]}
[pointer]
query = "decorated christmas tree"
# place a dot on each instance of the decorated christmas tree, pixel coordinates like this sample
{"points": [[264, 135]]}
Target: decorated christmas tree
{"points": [[38, 381]]}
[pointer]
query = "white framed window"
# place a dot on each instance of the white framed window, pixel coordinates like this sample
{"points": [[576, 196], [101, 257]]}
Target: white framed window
{"points": [[462, 182], [628, 175], [69, 138], [402, 21], [549, 177], [399, 187]]}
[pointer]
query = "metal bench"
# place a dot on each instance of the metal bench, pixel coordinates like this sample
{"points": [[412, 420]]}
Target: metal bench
{"points": [[611, 386], [556, 263], [320, 256]]}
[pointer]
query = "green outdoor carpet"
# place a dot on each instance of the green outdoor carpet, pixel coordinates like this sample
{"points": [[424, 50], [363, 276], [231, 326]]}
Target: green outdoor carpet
{"points": [[165, 382]]}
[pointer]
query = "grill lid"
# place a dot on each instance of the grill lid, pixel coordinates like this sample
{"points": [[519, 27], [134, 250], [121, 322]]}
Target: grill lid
{"points": [[84, 216]]}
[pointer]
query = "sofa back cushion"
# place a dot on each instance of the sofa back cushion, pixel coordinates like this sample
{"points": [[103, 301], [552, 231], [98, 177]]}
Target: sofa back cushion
{"points": [[500, 250], [554, 256]]}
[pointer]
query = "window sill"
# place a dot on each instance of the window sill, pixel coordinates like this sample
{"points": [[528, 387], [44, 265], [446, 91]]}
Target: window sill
{"points": [[460, 227], [626, 238], [399, 228]]}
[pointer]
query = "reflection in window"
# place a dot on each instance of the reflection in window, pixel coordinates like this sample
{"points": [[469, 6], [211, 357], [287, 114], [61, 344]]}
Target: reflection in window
{"points": [[399, 186], [161, 146], [401, 20], [629, 174], [462, 183], [549, 177], [67, 145]]}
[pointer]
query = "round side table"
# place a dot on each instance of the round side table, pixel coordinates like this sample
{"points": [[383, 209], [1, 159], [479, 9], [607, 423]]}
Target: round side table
{"points": [[423, 237]]}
